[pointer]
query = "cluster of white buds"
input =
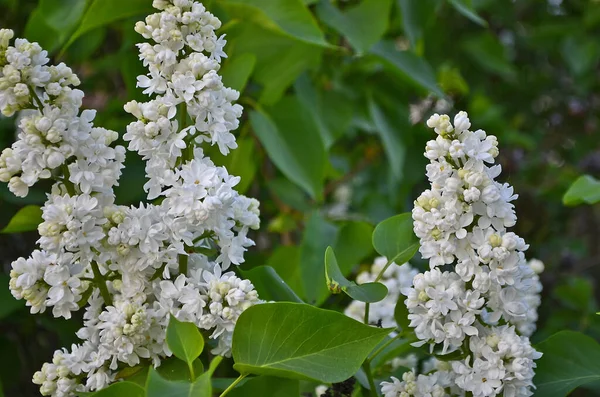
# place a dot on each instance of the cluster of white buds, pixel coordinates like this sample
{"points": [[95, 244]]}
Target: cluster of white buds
{"points": [[130, 267], [479, 299]]}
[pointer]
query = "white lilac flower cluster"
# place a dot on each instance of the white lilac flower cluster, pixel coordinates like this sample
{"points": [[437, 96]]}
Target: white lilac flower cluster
{"points": [[130, 267], [479, 299]]}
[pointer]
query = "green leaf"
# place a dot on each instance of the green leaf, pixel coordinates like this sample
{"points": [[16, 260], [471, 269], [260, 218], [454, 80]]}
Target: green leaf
{"points": [[267, 386], [416, 16], [353, 244], [120, 389], [336, 282], [26, 219], [185, 341], [408, 64], [52, 21], [318, 235], [237, 71], [299, 341], [401, 315], [585, 189], [157, 386], [284, 136], [331, 112], [363, 25], [173, 368], [290, 17], [580, 54], [285, 259], [279, 59], [570, 359], [394, 238], [103, 12], [466, 8], [269, 285], [487, 50], [390, 135]]}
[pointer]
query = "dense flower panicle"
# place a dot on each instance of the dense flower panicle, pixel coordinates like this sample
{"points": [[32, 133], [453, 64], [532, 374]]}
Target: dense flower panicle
{"points": [[130, 266], [480, 296]]}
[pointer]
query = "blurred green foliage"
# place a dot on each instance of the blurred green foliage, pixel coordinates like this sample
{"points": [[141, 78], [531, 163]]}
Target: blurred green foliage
{"points": [[336, 94]]}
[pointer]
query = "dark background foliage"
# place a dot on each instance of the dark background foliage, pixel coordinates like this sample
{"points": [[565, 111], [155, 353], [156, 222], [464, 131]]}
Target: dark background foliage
{"points": [[333, 134]]}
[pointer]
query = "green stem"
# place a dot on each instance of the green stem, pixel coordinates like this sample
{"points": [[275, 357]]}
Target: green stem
{"points": [[383, 270], [214, 364], [234, 384], [367, 368], [367, 308], [36, 98], [203, 236], [386, 344], [183, 264], [101, 284], [192, 374], [68, 184]]}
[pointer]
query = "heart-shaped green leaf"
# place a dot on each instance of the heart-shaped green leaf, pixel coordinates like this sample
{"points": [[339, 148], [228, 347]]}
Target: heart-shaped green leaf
{"points": [[394, 238], [157, 386], [300, 341], [336, 282], [185, 341], [570, 359]]}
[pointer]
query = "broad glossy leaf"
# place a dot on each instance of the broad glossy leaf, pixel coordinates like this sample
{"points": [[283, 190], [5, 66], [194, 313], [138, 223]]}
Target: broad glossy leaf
{"points": [[466, 8], [394, 238], [26, 219], [363, 25], [416, 16], [52, 21], [279, 59], [120, 389], [267, 386], [103, 12], [401, 315], [408, 64], [336, 282], [318, 235], [237, 71], [172, 368], [285, 259], [284, 134], [299, 341], [353, 244], [570, 359], [184, 340], [290, 17], [585, 189], [269, 285], [330, 110], [390, 135], [157, 386]]}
